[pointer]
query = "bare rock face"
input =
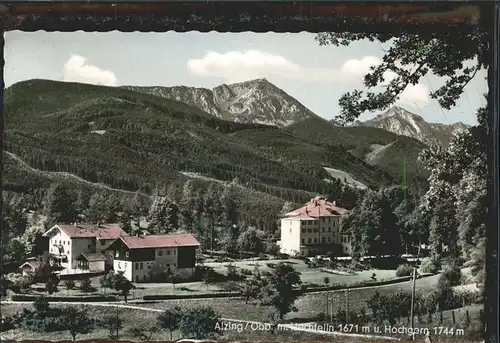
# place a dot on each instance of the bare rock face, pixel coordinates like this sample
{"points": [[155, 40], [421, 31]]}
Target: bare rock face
{"points": [[402, 122], [256, 101]]}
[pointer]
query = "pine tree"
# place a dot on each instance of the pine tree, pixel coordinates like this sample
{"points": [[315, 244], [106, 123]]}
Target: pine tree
{"points": [[60, 206]]}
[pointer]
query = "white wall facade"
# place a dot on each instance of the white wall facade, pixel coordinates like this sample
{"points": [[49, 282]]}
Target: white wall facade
{"points": [[300, 237], [124, 266], [290, 237], [63, 240]]}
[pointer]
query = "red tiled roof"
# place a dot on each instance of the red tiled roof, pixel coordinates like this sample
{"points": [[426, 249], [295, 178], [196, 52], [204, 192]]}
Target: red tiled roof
{"points": [[317, 207], [160, 241], [103, 231]]}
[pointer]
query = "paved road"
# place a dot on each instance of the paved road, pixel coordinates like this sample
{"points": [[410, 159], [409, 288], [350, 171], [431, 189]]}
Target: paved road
{"points": [[248, 324]]}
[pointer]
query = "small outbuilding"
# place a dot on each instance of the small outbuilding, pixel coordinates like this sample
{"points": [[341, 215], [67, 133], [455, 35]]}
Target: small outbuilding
{"points": [[94, 262]]}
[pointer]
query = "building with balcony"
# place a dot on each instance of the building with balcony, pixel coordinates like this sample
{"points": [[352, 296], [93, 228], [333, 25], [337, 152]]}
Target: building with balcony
{"points": [[314, 229], [138, 257], [80, 246]]}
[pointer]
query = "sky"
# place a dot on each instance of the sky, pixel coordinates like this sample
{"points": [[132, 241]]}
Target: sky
{"points": [[315, 75]]}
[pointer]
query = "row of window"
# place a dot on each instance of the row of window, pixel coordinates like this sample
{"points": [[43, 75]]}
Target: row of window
{"points": [[310, 230], [58, 251], [345, 239], [167, 252], [315, 240], [140, 266], [322, 219]]}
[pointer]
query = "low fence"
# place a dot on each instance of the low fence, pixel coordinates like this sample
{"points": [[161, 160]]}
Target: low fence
{"points": [[79, 275], [190, 296], [90, 298], [301, 291], [366, 284]]}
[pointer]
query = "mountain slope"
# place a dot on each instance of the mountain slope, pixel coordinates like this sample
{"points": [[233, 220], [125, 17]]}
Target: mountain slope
{"points": [[139, 142], [362, 142], [402, 122], [255, 101]]}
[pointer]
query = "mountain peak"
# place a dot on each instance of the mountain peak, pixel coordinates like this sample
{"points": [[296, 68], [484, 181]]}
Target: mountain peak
{"points": [[254, 101], [398, 111], [405, 123]]}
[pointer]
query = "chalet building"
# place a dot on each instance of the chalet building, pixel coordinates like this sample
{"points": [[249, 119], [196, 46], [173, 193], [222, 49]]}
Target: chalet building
{"points": [[314, 229], [138, 256], [29, 267], [82, 246]]}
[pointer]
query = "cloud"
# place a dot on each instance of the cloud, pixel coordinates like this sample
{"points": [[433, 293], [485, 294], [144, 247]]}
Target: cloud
{"points": [[237, 66], [414, 95], [234, 66], [77, 69]]}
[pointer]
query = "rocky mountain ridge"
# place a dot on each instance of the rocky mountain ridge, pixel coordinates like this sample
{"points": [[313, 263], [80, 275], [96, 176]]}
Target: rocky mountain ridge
{"points": [[405, 123], [255, 101]]}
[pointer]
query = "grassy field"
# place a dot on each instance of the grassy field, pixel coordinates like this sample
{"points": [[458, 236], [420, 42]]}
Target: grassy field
{"points": [[137, 318], [308, 275]]}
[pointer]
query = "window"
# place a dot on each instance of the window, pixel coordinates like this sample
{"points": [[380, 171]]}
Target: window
{"points": [[308, 240], [117, 254], [175, 252], [175, 265], [303, 230], [303, 240], [168, 252], [309, 230], [315, 240], [119, 265], [329, 239], [160, 252], [323, 229], [329, 229], [89, 246], [136, 266], [142, 266], [315, 229], [103, 242], [127, 254]]}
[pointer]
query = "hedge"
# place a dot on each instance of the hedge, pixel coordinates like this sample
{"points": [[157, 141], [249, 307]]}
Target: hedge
{"points": [[190, 296], [87, 298]]}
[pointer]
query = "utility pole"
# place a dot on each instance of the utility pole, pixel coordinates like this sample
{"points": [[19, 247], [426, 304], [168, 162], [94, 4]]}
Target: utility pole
{"points": [[347, 306], [117, 323], [412, 314], [327, 299], [331, 309]]}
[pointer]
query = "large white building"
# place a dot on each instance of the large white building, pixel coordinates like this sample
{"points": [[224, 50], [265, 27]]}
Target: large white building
{"points": [[314, 229], [82, 246]]}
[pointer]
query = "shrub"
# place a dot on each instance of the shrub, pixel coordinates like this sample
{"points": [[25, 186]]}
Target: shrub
{"points": [[246, 271], [404, 270], [86, 285], [272, 248], [451, 276], [69, 284], [430, 266]]}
